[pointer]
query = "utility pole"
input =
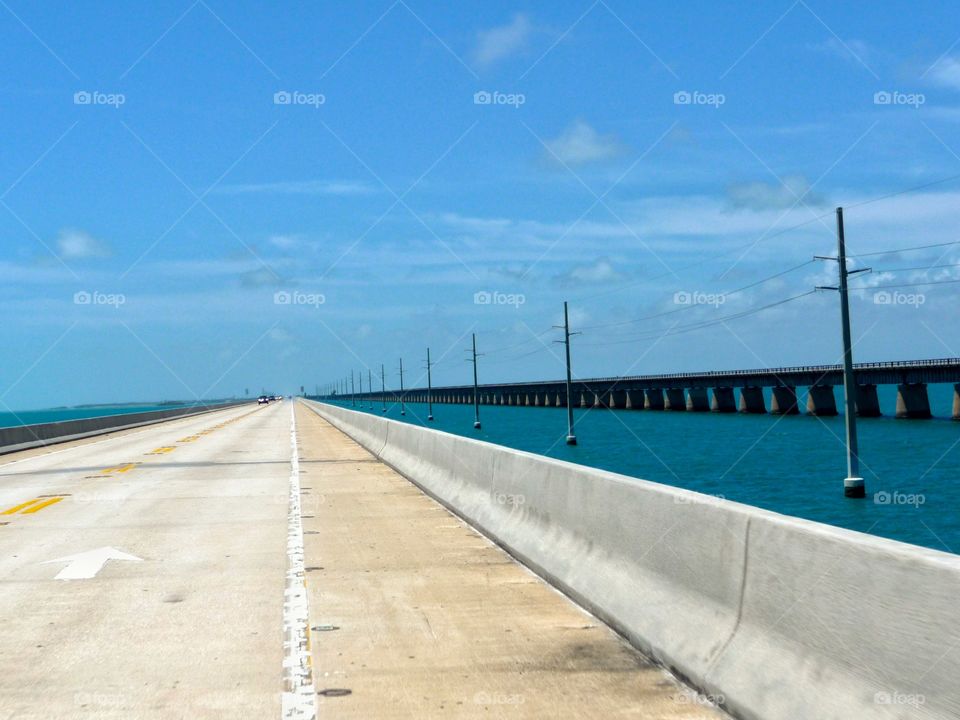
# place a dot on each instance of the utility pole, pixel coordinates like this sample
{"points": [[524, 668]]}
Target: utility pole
{"points": [[370, 385], [353, 391], [429, 389], [383, 387], [853, 485], [571, 437], [403, 410], [360, 380], [476, 395]]}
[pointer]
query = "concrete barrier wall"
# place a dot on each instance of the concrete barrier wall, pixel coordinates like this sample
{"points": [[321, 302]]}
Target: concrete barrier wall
{"points": [[779, 618], [31, 436]]}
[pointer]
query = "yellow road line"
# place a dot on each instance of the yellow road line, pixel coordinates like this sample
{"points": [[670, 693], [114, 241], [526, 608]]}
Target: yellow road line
{"points": [[121, 468], [41, 506], [21, 506]]}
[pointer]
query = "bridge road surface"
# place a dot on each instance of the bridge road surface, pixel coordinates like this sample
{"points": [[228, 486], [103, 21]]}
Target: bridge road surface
{"points": [[184, 614]]}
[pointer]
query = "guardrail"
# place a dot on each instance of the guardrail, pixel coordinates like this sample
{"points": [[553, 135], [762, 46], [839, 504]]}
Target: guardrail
{"points": [[781, 618], [25, 437]]}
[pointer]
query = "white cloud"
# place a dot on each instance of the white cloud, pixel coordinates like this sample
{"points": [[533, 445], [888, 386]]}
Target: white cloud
{"points": [[794, 190], [501, 42], [79, 245], [298, 187], [946, 73], [580, 144], [599, 271]]}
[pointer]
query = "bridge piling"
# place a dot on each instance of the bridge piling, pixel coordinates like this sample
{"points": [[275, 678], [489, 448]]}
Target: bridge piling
{"points": [[868, 404], [751, 400], [956, 402], [912, 401], [723, 400], [653, 399], [675, 399], [634, 399], [618, 399], [697, 400], [783, 400], [821, 401]]}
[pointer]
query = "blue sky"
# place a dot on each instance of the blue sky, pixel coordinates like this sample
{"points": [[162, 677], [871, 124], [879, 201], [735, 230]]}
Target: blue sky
{"points": [[172, 227]]}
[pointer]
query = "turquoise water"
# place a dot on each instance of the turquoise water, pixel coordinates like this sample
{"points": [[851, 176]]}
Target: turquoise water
{"points": [[789, 464], [35, 417]]}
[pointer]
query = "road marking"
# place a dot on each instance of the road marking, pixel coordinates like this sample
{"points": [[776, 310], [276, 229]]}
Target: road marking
{"points": [[121, 468], [41, 506], [35, 505], [162, 450], [86, 565], [21, 506], [299, 696]]}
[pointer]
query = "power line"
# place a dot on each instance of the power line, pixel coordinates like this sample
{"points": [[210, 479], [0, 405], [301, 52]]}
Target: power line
{"points": [[919, 267], [908, 249], [901, 285], [690, 307], [905, 191], [680, 329]]}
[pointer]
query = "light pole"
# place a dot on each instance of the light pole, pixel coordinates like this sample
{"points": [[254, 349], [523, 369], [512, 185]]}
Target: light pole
{"points": [[429, 389]]}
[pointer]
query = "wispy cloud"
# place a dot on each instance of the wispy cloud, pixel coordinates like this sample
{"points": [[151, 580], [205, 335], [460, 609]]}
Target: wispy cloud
{"points": [[602, 270], [580, 144], [946, 73], [79, 245], [501, 42], [773, 195], [298, 187]]}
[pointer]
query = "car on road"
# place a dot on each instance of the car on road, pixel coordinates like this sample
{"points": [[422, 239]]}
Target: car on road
{"points": [[263, 400]]}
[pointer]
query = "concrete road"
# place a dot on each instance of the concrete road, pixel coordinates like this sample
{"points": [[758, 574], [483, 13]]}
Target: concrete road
{"points": [[190, 630], [257, 563]]}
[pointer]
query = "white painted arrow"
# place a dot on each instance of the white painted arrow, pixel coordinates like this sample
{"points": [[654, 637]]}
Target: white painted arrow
{"points": [[86, 565]]}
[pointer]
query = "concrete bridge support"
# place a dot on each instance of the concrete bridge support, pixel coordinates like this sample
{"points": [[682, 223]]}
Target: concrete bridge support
{"points": [[561, 400], [634, 399], [783, 400], [751, 400], [675, 399], [653, 399], [697, 400], [724, 400], [912, 401], [583, 399], [618, 399], [821, 401], [868, 404], [956, 402]]}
